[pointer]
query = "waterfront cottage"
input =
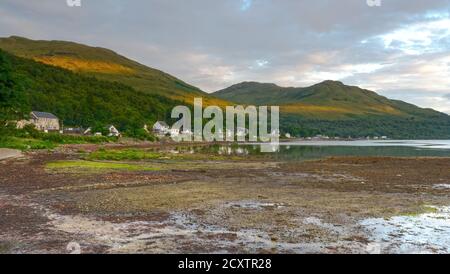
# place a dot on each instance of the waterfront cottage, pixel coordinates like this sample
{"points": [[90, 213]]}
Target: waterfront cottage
{"points": [[161, 128], [241, 132], [73, 131], [113, 132], [174, 132], [110, 131], [43, 121], [88, 131]]}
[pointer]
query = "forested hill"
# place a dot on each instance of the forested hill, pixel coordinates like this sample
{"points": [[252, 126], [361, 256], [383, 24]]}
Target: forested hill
{"points": [[107, 65], [335, 109], [82, 100], [332, 98]]}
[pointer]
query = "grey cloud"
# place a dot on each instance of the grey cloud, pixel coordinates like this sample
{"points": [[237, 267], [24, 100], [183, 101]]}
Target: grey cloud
{"points": [[213, 44]]}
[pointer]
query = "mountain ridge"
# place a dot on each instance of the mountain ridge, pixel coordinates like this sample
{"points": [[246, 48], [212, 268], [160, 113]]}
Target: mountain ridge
{"points": [[331, 94], [335, 109], [80, 100], [85, 85], [105, 64]]}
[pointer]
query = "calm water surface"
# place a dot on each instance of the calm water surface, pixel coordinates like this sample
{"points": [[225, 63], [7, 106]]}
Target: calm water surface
{"points": [[304, 150]]}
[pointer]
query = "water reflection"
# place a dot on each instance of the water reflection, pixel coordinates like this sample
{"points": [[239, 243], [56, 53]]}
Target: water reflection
{"points": [[216, 149], [300, 152]]}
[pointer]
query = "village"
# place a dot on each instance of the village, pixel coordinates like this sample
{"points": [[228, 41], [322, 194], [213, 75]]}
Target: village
{"points": [[49, 123]]}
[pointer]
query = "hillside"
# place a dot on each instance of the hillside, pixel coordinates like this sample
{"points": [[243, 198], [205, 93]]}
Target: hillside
{"points": [[333, 108], [86, 85], [329, 98], [106, 65], [81, 100]]}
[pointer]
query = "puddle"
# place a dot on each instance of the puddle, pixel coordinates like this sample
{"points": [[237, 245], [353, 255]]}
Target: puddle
{"points": [[169, 237], [254, 205], [425, 233], [181, 232], [186, 232], [331, 178]]}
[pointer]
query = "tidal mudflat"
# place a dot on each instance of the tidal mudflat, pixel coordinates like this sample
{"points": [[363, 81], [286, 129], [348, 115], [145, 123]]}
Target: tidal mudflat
{"points": [[173, 200]]}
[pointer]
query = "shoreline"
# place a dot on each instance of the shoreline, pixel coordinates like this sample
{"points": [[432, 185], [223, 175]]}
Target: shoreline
{"points": [[205, 203]]}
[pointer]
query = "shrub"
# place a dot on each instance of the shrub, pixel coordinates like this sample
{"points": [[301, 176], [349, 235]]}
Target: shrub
{"points": [[140, 134], [30, 138]]}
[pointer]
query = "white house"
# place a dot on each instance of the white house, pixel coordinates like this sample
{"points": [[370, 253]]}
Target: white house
{"points": [[186, 132], [113, 132], [73, 130], [229, 134], [87, 131], [43, 121], [174, 132], [161, 128], [240, 132], [276, 133]]}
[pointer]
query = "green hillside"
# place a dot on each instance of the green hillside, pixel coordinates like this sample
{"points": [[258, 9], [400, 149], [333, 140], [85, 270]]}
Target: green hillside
{"points": [[106, 65], [340, 99], [336, 109], [81, 100], [86, 85]]}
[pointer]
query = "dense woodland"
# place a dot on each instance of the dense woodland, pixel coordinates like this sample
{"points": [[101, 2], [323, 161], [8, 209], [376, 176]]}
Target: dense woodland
{"points": [[394, 128]]}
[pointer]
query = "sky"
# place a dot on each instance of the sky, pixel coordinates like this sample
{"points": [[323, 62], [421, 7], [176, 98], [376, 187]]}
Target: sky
{"points": [[400, 49]]}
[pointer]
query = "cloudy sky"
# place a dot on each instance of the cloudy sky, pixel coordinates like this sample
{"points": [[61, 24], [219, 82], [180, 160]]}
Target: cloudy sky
{"points": [[400, 49]]}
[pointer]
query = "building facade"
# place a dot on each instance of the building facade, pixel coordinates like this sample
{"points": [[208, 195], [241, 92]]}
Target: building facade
{"points": [[43, 121], [161, 128]]}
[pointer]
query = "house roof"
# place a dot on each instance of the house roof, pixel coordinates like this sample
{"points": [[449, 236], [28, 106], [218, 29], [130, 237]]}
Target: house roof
{"points": [[74, 129], [162, 123], [39, 114]]}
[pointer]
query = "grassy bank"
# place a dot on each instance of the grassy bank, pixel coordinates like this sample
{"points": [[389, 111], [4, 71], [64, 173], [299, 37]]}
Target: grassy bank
{"points": [[142, 155], [25, 143], [32, 139], [97, 166], [125, 154]]}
